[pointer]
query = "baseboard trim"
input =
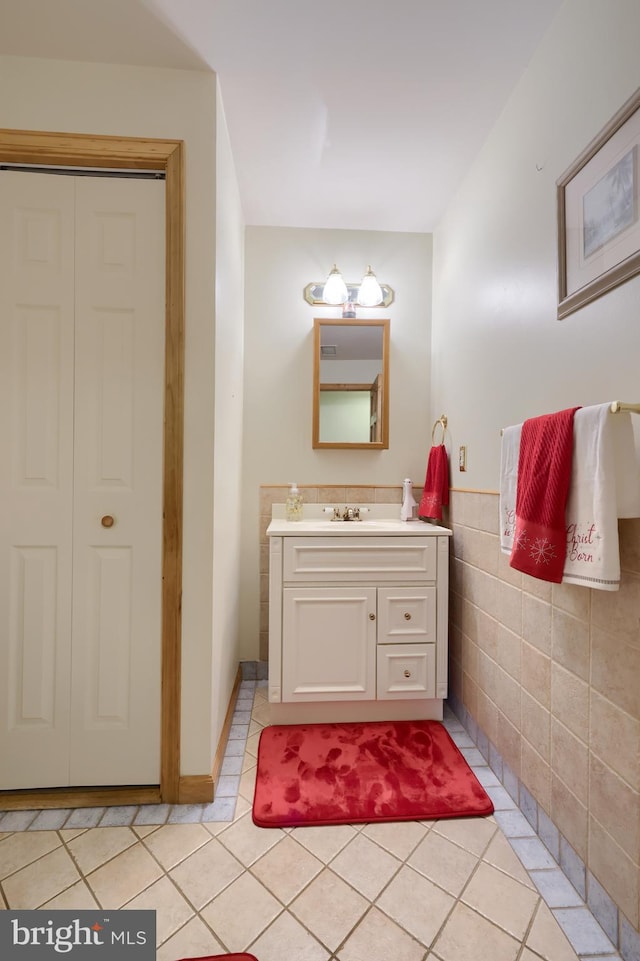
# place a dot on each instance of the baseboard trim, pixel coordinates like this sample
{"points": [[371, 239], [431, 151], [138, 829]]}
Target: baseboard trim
{"points": [[195, 789], [226, 727], [82, 797]]}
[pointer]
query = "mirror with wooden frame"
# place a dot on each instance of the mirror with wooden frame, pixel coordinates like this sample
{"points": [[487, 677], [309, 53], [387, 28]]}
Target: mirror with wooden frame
{"points": [[351, 384]]}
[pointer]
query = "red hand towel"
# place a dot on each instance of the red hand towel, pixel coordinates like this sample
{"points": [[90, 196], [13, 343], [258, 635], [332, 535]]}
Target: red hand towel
{"points": [[544, 475], [436, 485]]}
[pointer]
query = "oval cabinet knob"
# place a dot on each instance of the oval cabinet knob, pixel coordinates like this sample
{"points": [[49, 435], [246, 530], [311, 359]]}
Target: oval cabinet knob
{"points": [[407, 616], [407, 673], [372, 617], [107, 521]]}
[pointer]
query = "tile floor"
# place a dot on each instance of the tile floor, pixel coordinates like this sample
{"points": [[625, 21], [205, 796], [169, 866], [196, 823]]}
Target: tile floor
{"points": [[458, 890]]}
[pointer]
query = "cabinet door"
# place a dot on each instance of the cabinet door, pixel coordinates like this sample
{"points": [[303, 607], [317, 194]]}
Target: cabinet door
{"points": [[406, 671], [329, 644], [407, 615]]}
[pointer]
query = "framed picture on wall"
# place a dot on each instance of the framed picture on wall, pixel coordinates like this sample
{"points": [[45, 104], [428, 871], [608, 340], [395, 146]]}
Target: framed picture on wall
{"points": [[598, 213]]}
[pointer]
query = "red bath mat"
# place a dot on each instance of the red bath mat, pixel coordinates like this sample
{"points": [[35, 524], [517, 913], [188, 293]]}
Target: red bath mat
{"points": [[223, 957], [311, 774]]}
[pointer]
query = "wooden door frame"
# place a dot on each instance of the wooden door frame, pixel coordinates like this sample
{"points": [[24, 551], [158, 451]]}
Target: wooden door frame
{"points": [[88, 150]]}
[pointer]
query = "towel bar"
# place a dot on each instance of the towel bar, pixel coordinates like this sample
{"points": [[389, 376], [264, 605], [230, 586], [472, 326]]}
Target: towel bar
{"points": [[617, 405], [614, 407]]}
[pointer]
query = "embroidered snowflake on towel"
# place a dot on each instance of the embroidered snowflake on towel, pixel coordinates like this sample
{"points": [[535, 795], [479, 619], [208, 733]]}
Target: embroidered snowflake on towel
{"points": [[522, 540], [542, 551]]}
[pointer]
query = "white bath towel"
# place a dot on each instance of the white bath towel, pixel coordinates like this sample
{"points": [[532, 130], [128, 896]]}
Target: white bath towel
{"points": [[509, 454], [605, 485]]}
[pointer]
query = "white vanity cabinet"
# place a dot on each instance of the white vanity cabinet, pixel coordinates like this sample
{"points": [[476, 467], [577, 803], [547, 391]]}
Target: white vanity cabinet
{"points": [[357, 620]]}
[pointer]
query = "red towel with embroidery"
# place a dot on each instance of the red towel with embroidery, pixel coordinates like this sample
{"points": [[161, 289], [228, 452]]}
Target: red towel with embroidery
{"points": [[436, 484], [544, 475]]}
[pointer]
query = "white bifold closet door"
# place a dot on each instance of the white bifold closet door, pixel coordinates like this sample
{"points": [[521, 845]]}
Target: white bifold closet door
{"points": [[82, 263]]}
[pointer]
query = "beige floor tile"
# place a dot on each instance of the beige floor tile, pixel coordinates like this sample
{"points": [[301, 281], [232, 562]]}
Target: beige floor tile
{"points": [[501, 855], [249, 762], [286, 869], [144, 830], [547, 938], [241, 913], [172, 911], [324, 842], [98, 845], [194, 940], [172, 843], [443, 862], [247, 785], [215, 827], [419, 906], [252, 743], [399, 837], [501, 899], [76, 898], [124, 877], [329, 908], [68, 834], [255, 727], [39, 882], [18, 850], [286, 938], [243, 806], [261, 711], [365, 866], [307, 889], [465, 932], [378, 938], [205, 873], [472, 834], [247, 842]]}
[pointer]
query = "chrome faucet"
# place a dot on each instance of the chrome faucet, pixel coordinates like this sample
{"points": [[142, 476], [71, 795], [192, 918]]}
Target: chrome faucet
{"points": [[347, 514]]}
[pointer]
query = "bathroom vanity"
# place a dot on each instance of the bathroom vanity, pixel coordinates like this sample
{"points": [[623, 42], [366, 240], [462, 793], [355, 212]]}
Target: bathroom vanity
{"points": [[358, 615]]}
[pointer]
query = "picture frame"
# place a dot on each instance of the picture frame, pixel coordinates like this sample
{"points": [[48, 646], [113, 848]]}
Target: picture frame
{"points": [[598, 204]]}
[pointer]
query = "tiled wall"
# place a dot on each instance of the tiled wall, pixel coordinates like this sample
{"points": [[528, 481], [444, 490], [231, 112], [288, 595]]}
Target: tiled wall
{"points": [[311, 494], [550, 674]]}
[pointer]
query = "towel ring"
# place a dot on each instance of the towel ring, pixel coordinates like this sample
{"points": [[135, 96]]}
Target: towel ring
{"points": [[442, 420]]}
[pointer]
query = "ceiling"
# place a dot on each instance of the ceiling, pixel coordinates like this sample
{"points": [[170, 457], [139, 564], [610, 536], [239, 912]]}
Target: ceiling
{"points": [[353, 114]]}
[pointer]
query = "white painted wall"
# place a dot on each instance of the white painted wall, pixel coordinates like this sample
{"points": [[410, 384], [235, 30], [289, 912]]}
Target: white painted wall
{"points": [[499, 353], [280, 261], [146, 102], [228, 399]]}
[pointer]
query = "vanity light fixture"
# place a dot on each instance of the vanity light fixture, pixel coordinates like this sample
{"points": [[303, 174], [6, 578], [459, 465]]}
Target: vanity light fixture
{"points": [[370, 293], [335, 289], [335, 292]]}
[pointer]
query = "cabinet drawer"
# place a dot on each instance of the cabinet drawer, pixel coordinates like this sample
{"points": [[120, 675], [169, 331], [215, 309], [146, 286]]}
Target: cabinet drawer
{"points": [[406, 615], [406, 671], [359, 559]]}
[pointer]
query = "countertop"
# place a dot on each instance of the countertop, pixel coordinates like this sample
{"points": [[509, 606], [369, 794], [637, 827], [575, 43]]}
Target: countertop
{"points": [[379, 519]]}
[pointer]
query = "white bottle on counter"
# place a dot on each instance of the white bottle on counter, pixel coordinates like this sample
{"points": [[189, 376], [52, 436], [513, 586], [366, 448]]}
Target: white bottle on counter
{"points": [[409, 509]]}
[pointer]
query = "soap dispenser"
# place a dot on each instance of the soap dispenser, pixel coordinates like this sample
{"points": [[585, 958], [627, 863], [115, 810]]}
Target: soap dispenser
{"points": [[409, 509], [293, 507]]}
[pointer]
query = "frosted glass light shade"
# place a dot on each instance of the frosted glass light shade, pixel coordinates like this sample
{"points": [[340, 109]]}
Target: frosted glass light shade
{"points": [[370, 293], [335, 289]]}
